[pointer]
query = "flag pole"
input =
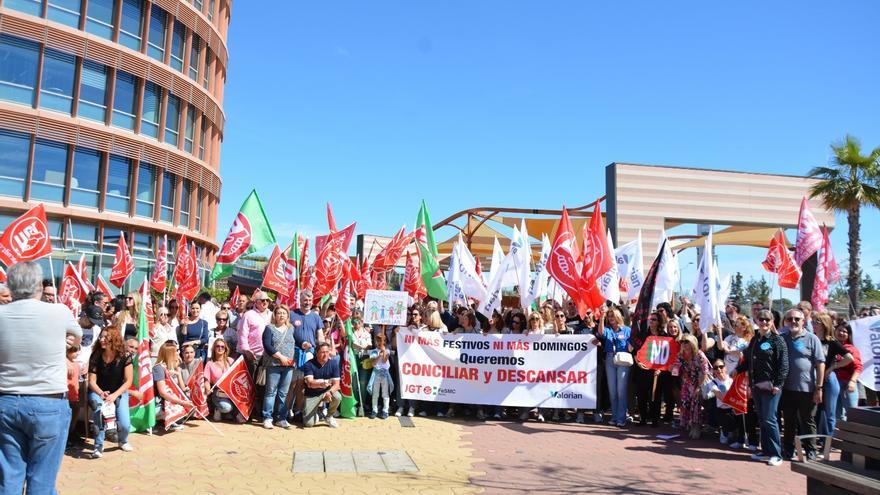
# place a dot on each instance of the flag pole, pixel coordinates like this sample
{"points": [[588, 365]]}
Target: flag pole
{"points": [[52, 271], [199, 413]]}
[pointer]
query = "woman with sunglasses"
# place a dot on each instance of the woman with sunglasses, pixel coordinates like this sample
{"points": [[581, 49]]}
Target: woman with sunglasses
{"points": [[173, 314], [221, 320], [110, 376], [766, 361], [279, 346], [167, 369], [194, 331], [162, 332], [848, 373], [217, 365]]}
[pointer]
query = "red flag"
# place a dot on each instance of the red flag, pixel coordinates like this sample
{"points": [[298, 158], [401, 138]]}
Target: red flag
{"points": [[145, 376], [84, 274], [412, 277], [809, 237], [479, 269], [737, 396], [26, 238], [365, 282], [186, 273], [71, 293], [831, 269], [826, 274], [780, 261], [235, 295], [388, 256], [328, 266], [123, 265], [196, 392], [273, 277], [330, 221], [561, 263], [2, 275], [597, 260], [343, 300], [347, 235], [237, 383], [173, 412], [144, 291], [379, 281], [160, 272], [658, 353], [103, 286]]}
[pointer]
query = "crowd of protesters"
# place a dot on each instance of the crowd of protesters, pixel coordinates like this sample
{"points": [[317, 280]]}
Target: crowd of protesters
{"points": [[803, 367]]}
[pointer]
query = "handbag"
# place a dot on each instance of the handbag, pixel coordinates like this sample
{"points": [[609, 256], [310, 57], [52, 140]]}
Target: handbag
{"points": [[765, 386], [260, 375], [623, 358]]}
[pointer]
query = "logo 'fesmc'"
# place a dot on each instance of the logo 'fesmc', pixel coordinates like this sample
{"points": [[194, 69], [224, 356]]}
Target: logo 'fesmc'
{"points": [[28, 238], [240, 388], [238, 240]]}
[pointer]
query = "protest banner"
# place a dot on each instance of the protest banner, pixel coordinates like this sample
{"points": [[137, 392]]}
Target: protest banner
{"points": [[385, 307], [658, 353], [238, 385], [196, 392], [866, 338], [173, 412], [506, 370]]}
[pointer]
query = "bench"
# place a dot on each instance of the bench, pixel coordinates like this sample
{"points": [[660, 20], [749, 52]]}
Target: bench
{"points": [[858, 469]]}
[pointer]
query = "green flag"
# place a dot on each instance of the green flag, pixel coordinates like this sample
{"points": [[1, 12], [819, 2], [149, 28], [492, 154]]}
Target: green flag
{"points": [[250, 232], [349, 372], [428, 254], [143, 412]]}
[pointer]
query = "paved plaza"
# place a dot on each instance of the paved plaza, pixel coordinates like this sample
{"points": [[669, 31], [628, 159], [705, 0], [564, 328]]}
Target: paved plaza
{"points": [[449, 457]]}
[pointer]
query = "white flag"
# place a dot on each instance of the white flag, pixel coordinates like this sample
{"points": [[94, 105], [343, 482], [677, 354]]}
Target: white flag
{"points": [[706, 289], [667, 274], [866, 336], [538, 284], [609, 282], [631, 267], [524, 265], [463, 281], [508, 264], [454, 292], [510, 277]]}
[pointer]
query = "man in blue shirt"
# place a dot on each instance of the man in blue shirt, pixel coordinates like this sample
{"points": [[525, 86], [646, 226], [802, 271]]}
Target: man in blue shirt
{"points": [[322, 385], [307, 332], [802, 390]]}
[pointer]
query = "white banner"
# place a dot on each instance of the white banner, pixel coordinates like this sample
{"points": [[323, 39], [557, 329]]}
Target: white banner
{"points": [[866, 338], [506, 370], [385, 307]]}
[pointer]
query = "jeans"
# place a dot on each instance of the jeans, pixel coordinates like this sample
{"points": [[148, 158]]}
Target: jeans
{"points": [[766, 404], [277, 384], [846, 400], [123, 421], [830, 397], [799, 414], [222, 404], [33, 432], [618, 379]]}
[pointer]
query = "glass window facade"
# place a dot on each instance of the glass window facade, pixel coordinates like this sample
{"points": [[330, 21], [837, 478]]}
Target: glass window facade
{"points": [[195, 55], [56, 88], [199, 199], [130, 23], [18, 69], [85, 178], [172, 120], [189, 129], [50, 170], [178, 43], [158, 28], [32, 7], [185, 198], [66, 12], [93, 91], [14, 154], [150, 112], [100, 18], [169, 191], [118, 184], [203, 133], [146, 190], [124, 100]]}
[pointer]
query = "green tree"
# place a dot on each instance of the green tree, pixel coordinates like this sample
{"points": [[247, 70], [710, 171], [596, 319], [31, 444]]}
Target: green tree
{"points": [[845, 185], [757, 290], [867, 286], [736, 288]]}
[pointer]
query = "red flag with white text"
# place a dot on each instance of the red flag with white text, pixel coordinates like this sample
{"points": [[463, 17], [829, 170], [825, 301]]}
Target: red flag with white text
{"points": [[123, 265], [237, 383], [597, 259], [737, 396], [780, 261], [388, 256], [103, 286], [561, 265], [274, 278], [809, 236], [26, 238], [412, 277], [196, 392], [160, 271]]}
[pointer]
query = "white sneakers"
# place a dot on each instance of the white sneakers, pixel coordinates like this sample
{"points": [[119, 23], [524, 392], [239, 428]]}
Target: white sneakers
{"points": [[399, 412], [267, 424], [774, 461], [126, 447], [331, 422], [411, 412]]}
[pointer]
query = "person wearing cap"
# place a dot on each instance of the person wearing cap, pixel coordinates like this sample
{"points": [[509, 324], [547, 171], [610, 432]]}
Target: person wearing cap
{"points": [[34, 412], [91, 321]]}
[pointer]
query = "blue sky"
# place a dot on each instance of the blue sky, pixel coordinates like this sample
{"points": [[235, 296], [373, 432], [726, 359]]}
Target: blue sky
{"points": [[375, 105]]}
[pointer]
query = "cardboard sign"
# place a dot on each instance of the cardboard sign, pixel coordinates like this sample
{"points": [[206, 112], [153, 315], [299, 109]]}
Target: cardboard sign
{"points": [[386, 307]]}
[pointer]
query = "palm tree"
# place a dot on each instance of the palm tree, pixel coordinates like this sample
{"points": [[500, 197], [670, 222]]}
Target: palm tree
{"points": [[850, 181]]}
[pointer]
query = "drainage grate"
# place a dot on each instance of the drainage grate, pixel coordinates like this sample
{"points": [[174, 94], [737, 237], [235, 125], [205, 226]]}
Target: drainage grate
{"points": [[338, 461]]}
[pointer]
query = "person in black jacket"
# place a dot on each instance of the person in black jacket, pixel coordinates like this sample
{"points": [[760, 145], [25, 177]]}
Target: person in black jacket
{"points": [[766, 361]]}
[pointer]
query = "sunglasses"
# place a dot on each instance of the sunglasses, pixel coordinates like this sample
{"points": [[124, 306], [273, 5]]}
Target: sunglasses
{"points": [[560, 315], [764, 320], [718, 367], [796, 320], [163, 314], [263, 300], [222, 319]]}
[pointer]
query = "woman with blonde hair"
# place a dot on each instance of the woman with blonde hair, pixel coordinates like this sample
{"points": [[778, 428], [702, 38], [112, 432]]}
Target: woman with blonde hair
{"points": [[836, 356], [127, 319], [733, 347], [167, 369], [693, 369], [279, 346], [618, 361], [535, 325], [220, 361]]}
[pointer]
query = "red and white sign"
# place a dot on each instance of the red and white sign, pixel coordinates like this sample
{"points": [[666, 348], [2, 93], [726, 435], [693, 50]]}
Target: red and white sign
{"points": [[658, 353], [71, 293], [237, 383], [237, 241], [160, 271], [173, 412], [196, 392], [123, 265], [809, 237], [186, 271], [103, 286], [737, 396], [561, 264], [26, 238], [780, 261], [274, 278]]}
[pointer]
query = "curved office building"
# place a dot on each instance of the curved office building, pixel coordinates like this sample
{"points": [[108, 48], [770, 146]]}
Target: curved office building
{"points": [[111, 114]]}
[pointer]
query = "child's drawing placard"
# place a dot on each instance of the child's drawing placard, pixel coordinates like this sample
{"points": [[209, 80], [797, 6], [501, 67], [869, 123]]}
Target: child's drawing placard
{"points": [[385, 307]]}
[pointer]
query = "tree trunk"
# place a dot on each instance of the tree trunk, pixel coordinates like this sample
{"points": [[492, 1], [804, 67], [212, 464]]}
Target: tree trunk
{"points": [[854, 281]]}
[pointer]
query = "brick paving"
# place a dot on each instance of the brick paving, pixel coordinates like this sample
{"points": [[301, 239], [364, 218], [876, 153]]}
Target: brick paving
{"points": [[572, 458], [452, 457]]}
